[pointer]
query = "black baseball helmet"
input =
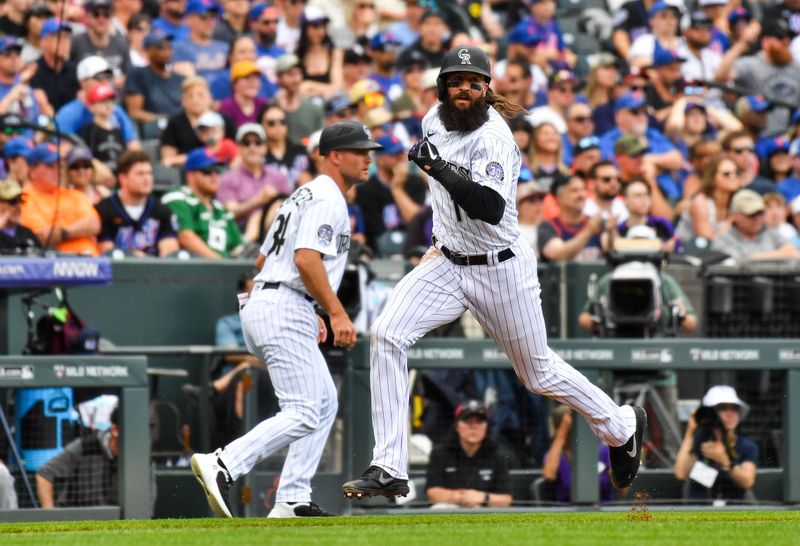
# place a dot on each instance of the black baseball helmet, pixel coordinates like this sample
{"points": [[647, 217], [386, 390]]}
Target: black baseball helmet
{"points": [[463, 59], [346, 135]]}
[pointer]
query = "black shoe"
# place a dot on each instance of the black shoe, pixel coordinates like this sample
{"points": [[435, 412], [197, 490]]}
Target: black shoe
{"points": [[214, 480], [625, 459], [297, 510], [375, 481]]}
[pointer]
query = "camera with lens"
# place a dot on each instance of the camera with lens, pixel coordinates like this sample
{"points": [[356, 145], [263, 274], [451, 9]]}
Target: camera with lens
{"points": [[708, 422]]}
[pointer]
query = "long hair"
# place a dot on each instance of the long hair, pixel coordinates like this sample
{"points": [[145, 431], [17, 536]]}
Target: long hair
{"points": [[710, 173], [533, 156], [504, 107]]}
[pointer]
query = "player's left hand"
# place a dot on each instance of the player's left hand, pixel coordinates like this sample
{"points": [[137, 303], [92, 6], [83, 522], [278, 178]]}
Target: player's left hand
{"points": [[344, 332], [323, 330], [424, 154]]}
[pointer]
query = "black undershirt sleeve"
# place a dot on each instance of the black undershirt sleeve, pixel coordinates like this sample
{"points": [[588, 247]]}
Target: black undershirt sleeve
{"points": [[479, 202]]}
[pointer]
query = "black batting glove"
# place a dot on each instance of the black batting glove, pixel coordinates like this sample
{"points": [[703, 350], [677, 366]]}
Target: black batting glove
{"points": [[424, 154]]}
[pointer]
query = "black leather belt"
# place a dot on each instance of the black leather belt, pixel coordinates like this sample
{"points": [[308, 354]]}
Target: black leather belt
{"points": [[276, 285], [475, 259]]}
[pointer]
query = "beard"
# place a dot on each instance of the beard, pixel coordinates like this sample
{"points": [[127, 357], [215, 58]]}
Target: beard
{"points": [[267, 38], [470, 119], [778, 55]]}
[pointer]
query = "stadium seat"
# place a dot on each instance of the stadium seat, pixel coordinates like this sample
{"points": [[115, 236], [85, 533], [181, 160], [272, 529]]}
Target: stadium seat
{"points": [[165, 178], [152, 147], [391, 243]]}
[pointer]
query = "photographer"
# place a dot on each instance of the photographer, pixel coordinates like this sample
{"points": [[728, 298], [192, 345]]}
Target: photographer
{"points": [[720, 464]]}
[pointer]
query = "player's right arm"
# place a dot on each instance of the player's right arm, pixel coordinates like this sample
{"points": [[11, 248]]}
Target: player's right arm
{"points": [[315, 279]]}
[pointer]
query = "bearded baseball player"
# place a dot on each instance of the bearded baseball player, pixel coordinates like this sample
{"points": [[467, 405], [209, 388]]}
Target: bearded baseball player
{"points": [[302, 260], [478, 262]]}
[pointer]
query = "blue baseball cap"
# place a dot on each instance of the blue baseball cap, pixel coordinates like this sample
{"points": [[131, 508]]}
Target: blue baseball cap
{"points": [[629, 101], [776, 145], [9, 42], [78, 153], [201, 6], [199, 159], [758, 103], [526, 34], [391, 145], [157, 37], [664, 57], [796, 117], [18, 147], [737, 14], [52, 26], [383, 41], [660, 6], [43, 153], [257, 10]]}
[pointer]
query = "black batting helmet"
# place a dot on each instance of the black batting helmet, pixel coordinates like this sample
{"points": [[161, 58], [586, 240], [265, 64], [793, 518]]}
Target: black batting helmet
{"points": [[463, 59]]}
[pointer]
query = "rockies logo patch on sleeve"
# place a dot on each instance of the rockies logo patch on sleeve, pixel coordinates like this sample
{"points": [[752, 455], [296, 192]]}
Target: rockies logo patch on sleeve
{"points": [[325, 234], [494, 171]]}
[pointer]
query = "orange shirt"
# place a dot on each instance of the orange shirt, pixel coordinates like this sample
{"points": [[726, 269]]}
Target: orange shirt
{"points": [[39, 209]]}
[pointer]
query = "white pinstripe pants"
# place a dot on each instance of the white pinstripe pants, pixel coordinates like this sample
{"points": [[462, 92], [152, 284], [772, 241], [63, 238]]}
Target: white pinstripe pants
{"points": [[281, 328], [505, 299]]}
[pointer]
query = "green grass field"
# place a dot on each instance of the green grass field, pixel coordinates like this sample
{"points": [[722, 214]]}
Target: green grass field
{"points": [[559, 529]]}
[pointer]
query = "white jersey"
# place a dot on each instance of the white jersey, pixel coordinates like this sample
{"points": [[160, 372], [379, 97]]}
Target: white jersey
{"points": [[314, 216], [488, 156]]}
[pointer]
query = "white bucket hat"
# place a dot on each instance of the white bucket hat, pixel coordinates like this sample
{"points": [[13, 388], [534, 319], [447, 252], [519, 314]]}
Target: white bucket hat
{"points": [[724, 394]]}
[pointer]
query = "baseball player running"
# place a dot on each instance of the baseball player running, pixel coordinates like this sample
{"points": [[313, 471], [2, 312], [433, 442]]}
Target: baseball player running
{"points": [[302, 260], [478, 262]]}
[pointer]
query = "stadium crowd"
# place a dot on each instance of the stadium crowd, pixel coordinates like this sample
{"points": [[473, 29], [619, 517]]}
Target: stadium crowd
{"points": [[669, 120]]}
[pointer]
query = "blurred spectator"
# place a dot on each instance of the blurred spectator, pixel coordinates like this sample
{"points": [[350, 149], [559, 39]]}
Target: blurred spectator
{"points": [[392, 196], [585, 153], [702, 62], [81, 175], [633, 80], [663, 20], [8, 495], [15, 238], [35, 16], [243, 48], [16, 96], [303, 116], [133, 220], [518, 83], [364, 96], [740, 148], [139, 27], [283, 154], [199, 53], [205, 227], [788, 10], [699, 155], [291, 13], [431, 42], [691, 120], [560, 95], [579, 125], [233, 22], [100, 39], [383, 49], [246, 104], [15, 153], [261, 220], [603, 179], [557, 466], [665, 82], [56, 76], [171, 19], [252, 184], [776, 164], [530, 212], [468, 470], [12, 20], [630, 115], [571, 235], [102, 136], [752, 112], [179, 136], [775, 215], [211, 132], [713, 452], [749, 239], [76, 114], [602, 78], [362, 20], [74, 227], [263, 24], [123, 12], [355, 66], [154, 91], [707, 214], [638, 201], [407, 30], [790, 187], [409, 104], [85, 473], [320, 61], [631, 154], [774, 74], [544, 157], [419, 235]]}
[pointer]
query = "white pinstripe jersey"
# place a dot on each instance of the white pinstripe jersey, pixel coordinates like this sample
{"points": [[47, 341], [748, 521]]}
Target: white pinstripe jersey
{"points": [[315, 216], [488, 156]]}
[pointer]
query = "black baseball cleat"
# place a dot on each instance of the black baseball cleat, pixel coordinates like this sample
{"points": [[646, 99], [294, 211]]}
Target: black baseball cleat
{"points": [[214, 479], [625, 459], [297, 510], [375, 481]]}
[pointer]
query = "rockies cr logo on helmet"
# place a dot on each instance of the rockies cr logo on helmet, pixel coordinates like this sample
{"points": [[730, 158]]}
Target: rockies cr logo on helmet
{"points": [[463, 59], [464, 56]]}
